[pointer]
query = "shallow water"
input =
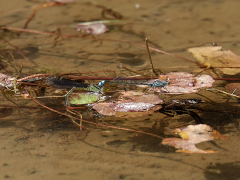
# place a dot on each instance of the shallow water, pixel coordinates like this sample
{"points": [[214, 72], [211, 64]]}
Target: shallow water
{"points": [[39, 144]]}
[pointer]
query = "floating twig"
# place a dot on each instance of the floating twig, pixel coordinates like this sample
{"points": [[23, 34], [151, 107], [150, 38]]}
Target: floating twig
{"points": [[33, 76], [230, 94], [150, 58], [40, 7]]}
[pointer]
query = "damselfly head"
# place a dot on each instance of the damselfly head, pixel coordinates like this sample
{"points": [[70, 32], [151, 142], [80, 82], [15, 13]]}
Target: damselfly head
{"points": [[159, 83], [101, 83]]}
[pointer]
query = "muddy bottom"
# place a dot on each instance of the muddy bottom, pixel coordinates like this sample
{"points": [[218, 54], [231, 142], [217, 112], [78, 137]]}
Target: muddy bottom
{"points": [[40, 144]]}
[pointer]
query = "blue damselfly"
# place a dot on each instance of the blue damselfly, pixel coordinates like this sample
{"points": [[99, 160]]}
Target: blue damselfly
{"points": [[153, 83]]}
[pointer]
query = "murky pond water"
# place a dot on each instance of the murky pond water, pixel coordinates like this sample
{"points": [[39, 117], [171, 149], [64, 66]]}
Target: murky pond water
{"points": [[39, 144]]}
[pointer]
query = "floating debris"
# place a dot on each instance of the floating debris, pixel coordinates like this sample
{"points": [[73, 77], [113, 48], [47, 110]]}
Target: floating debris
{"points": [[137, 104], [6, 81], [192, 135], [183, 83], [214, 56], [93, 29]]}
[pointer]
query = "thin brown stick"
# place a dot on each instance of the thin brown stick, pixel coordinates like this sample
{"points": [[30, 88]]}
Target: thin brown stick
{"points": [[80, 115], [80, 124], [14, 63], [138, 78], [72, 108], [150, 58], [230, 94], [114, 14], [106, 126], [40, 7], [227, 79], [111, 78], [33, 84], [20, 52], [31, 31], [28, 107], [33, 76]]}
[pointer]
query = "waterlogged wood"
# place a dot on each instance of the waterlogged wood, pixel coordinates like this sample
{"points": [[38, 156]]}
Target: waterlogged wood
{"points": [[183, 83], [225, 61], [192, 135]]}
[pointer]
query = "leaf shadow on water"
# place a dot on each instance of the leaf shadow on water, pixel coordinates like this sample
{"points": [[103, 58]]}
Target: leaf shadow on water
{"points": [[222, 115], [34, 119], [223, 171], [132, 62], [218, 117], [158, 157], [141, 142]]}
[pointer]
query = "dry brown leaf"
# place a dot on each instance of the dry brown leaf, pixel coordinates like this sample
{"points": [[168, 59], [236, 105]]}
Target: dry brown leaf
{"points": [[225, 61], [104, 108], [131, 93], [147, 98]]}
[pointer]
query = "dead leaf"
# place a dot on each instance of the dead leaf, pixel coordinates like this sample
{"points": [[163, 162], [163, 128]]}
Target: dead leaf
{"points": [[182, 83], [137, 114], [131, 93], [185, 146], [225, 61], [233, 87], [104, 108], [192, 135], [146, 98], [134, 106]]}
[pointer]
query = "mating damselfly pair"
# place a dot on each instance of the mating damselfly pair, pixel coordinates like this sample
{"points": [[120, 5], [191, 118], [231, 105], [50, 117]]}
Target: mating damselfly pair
{"points": [[74, 85]]}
